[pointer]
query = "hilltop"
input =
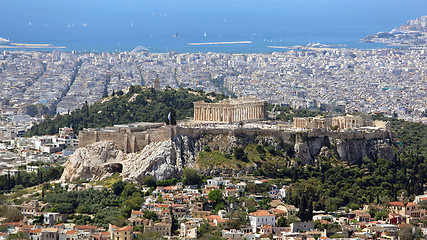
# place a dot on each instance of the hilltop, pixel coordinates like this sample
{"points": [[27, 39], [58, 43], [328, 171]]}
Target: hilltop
{"points": [[412, 33], [134, 104]]}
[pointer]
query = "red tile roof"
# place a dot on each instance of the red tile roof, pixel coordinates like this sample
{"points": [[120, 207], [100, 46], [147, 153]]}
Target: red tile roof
{"points": [[125, 228], [399, 204], [260, 213], [137, 212], [71, 232], [82, 227], [37, 230]]}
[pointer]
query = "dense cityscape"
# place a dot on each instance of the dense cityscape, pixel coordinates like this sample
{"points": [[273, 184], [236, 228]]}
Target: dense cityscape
{"points": [[345, 161], [384, 80]]}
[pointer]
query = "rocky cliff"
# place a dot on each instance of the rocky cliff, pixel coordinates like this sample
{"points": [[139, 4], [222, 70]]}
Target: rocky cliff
{"points": [[168, 158], [162, 160]]}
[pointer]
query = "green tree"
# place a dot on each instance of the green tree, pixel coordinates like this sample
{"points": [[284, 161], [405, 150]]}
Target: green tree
{"points": [[118, 187], [381, 215], [190, 177], [239, 154], [281, 222], [149, 181], [150, 215], [170, 118], [215, 195]]}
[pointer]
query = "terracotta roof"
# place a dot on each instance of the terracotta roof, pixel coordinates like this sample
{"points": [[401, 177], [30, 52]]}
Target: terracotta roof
{"points": [[162, 205], [51, 229], [37, 230], [260, 213], [81, 227], [266, 226], [278, 211], [213, 217], [137, 212], [411, 204], [71, 232], [125, 228], [399, 204]]}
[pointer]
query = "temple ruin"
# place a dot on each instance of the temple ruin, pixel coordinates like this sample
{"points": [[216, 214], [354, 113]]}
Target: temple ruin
{"points": [[230, 110], [340, 123]]}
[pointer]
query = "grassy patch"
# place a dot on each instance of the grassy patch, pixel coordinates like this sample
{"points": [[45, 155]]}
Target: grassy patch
{"points": [[109, 181], [217, 159], [18, 194]]}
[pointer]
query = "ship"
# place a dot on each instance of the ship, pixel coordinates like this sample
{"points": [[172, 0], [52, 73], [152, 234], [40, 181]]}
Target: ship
{"points": [[4, 41]]}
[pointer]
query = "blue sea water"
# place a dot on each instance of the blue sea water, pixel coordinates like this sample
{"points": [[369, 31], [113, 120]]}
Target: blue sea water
{"points": [[163, 25]]}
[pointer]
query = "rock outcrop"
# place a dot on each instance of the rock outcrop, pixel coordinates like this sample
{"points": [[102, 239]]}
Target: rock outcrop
{"points": [[347, 146], [167, 159], [162, 160], [94, 162]]}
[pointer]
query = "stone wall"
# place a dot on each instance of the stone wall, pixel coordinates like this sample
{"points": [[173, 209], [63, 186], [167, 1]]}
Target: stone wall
{"points": [[128, 139]]}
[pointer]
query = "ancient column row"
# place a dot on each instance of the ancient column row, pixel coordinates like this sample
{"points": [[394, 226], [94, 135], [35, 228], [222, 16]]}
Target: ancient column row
{"points": [[228, 114]]}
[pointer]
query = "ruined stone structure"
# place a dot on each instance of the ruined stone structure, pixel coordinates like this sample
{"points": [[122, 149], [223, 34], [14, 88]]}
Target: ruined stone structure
{"points": [[341, 122], [312, 122], [130, 138], [348, 121], [232, 110]]}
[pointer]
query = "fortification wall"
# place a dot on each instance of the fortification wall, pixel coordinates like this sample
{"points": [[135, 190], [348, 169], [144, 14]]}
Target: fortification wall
{"points": [[128, 140], [134, 141]]}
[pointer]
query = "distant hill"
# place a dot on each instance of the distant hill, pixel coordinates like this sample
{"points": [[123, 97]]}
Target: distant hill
{"points": [[135, 104]]}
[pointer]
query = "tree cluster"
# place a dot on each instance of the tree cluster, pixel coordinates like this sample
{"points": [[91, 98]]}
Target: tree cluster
{"points": [[138, 105]]}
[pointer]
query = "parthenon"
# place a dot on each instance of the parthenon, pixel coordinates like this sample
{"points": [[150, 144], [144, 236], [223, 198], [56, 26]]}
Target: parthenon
{"points": [[231, 110]]}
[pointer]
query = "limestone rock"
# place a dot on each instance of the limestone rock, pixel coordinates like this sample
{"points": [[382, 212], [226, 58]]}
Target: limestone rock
{"points": [[162, 160], [93, 162]]}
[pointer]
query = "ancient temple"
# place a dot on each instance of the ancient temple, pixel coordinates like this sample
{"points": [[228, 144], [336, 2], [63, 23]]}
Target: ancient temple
{"points": [[312, 122], [230, 110]]}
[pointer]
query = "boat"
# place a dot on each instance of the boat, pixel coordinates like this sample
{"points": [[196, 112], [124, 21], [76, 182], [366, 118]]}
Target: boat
{"points": [[176, 35], [4, 41]]}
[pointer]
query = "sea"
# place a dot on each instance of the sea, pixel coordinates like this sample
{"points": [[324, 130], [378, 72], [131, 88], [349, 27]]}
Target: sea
{"points": [[169, 25]]}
